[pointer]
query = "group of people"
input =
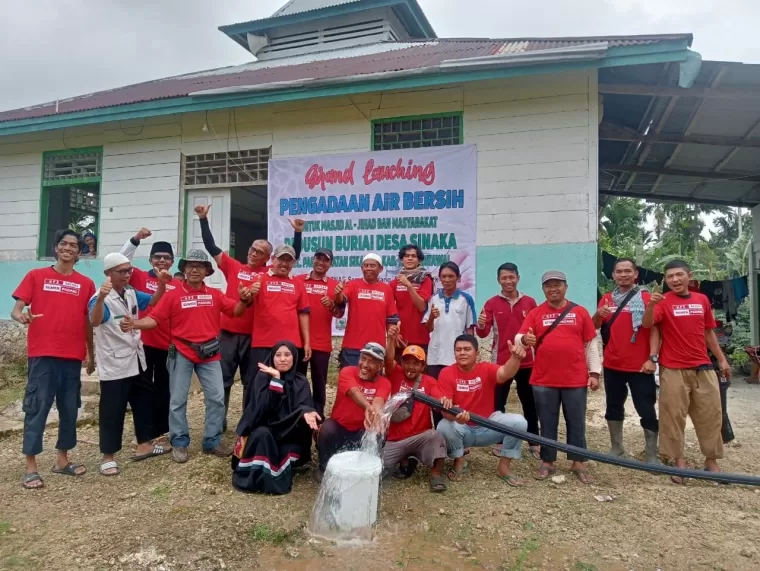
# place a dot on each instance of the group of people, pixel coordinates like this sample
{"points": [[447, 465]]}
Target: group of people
{"points": [[153, 330]]}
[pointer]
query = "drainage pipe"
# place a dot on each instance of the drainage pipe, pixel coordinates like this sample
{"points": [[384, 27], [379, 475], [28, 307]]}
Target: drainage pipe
{"points": [[720, 477]]}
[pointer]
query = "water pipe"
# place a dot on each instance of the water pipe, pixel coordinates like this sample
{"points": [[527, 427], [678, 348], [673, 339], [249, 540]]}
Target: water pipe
{"points": [[720, 477]]}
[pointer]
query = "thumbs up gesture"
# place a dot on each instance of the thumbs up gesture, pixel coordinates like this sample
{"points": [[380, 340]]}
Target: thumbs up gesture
{"points": [[244, 293], [517, 351], [482, 319], [127, 324], [339, 288], [106, 288], [657, 296], [256, 286], [529, 339], [604, 311]]}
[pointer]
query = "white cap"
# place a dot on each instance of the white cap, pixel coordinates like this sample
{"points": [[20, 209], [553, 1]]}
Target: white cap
{"points": [[374, 257], [113, 260]]}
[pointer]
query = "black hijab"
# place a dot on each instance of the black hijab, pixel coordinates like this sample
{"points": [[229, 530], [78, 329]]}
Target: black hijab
{"points": [[280, 410]]}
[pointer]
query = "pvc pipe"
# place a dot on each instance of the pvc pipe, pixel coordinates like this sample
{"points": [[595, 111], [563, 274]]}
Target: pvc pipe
{"points": [[721, 477]]}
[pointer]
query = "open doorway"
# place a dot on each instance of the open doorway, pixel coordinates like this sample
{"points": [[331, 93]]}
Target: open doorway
{"points": [[248, 219]]}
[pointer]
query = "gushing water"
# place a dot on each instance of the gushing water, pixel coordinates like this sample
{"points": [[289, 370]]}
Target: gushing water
{"points": [[346, 506]]}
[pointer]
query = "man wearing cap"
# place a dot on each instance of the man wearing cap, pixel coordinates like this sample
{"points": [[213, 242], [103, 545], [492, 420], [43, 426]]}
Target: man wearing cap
{"points": [[235, 339], [567, 363], [362, 391], [372, 310], [321, 292], [155, 341], [194, 312], [411, 430], [121, 362]]}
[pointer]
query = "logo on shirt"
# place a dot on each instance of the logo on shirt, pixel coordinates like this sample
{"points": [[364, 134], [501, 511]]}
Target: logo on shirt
{"points": [[687, 309], [61, 286], [369, 393], [469, 385], [569, 319], [199, 300], [316, 289], [371, 294], [245, 276], [152, 285], [281, 287], [407, 387]]}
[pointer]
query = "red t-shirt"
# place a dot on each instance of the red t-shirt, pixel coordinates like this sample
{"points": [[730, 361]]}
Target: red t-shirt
{"points": [[345, 411], [473, 391], [561, 359], [505, 319], [420, 421], [620, 354], [276, 309], [193, 315], [62, 302], [683, 322], [369, 307], [147, 283], [414, 332], [320, 317], [236, 273]]}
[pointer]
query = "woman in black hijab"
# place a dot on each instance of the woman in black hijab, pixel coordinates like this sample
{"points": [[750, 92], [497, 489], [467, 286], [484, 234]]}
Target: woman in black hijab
{"points": [[274, 434]]}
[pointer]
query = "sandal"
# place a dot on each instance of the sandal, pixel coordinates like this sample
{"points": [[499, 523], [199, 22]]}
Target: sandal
{"points": [[405, 472], [455, 476], [583, 476], [513, 480], [69, 470], [32, 477], [105, 466], [496, 450], [437, 484], [158, 450], [544, 472], [535, 451]]}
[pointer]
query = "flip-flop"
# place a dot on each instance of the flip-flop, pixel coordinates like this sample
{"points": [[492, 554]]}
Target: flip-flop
{"points": [[512, 480], [496, 450], [32, 477], [535, 451], [456, 476], [69, 469], [158, 450], [583, 476], [437, 484], [109, 466], [544, 472]]}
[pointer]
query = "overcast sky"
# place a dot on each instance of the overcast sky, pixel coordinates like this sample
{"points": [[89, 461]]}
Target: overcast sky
{"points": [[53, 49]]}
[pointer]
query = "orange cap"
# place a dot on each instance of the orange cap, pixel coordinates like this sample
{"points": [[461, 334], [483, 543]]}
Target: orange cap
{"points": [[415, 351]]}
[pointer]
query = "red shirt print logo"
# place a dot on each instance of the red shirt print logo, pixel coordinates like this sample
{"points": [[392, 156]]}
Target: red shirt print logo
{"points": [[199, 300], [369, 393], [281, 287], [569, 319], [316, 289], [371, 294], [469, 385], [152, 285], [61, 286], [687, 309]]}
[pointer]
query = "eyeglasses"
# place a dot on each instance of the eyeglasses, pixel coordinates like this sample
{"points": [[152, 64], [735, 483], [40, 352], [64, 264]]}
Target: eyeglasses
{"points": [[164, 257], [124, 272]]}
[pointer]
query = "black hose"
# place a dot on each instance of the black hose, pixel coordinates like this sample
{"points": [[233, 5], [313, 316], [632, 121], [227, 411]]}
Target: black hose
{"points": [[721, 477]]}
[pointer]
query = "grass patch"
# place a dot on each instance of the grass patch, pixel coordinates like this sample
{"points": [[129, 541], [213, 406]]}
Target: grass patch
{"points": [[528, 547], [262, 533], [5, 527], [160, 493], [12, 383], [15, 562], [580, 566]]}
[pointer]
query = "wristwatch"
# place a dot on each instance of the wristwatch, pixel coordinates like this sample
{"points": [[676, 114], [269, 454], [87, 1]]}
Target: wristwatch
{"points": [[654, 358]]}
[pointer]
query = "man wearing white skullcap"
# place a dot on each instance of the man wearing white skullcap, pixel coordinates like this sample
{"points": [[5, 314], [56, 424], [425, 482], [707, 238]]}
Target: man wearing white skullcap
{"points": [[372, 310], [121, 362]]}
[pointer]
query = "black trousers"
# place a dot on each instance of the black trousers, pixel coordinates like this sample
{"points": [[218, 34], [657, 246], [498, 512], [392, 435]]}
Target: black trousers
{"points": [[333, 438], [643, 391], [319, 365], [139, 392], [156, 371], [236, 352], [573, 403], [525, 394], [348, 358]]}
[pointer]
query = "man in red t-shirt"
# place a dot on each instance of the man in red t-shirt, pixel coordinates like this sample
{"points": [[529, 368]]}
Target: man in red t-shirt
{"points": [[362, 391], [321, 292], [156, 341], [235, 338], [628, 359], [58, 339], [194, 312], [688, 383], [411, 430], [504, 315], [371, 310], [471, 387], [412, 289], [566, 364]]}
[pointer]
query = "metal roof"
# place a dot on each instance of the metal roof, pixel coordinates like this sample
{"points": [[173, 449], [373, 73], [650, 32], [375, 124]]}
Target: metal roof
{"points": [[300, 6], [662, 142], [344, 63]]}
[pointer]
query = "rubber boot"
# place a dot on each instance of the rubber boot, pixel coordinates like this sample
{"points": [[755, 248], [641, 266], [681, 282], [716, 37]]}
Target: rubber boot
{"points": [[650, 451], [616, 437], [226, 407]]}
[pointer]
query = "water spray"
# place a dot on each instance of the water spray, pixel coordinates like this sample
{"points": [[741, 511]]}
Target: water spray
{"points": [[720, 477]]}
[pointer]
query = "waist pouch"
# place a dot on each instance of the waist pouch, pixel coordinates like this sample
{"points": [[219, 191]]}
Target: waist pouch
{"points": [[204, 350]]}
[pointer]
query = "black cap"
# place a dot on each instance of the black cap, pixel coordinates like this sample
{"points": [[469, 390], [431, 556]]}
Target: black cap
{"points": [[162, 248], [325, 252]]}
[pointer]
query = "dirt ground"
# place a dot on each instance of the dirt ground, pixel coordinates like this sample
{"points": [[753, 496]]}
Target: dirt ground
{"points": [[161, 516]]}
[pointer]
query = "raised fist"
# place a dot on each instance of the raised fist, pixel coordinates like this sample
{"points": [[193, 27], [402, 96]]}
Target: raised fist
{"points": [[297, 224], [202, 210], [143, 233]]}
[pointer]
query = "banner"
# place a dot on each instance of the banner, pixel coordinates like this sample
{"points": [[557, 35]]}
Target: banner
{"points": [[378, 202]]}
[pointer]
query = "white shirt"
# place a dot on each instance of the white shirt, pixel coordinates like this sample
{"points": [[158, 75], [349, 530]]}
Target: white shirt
{"points": [[457, 313]]}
